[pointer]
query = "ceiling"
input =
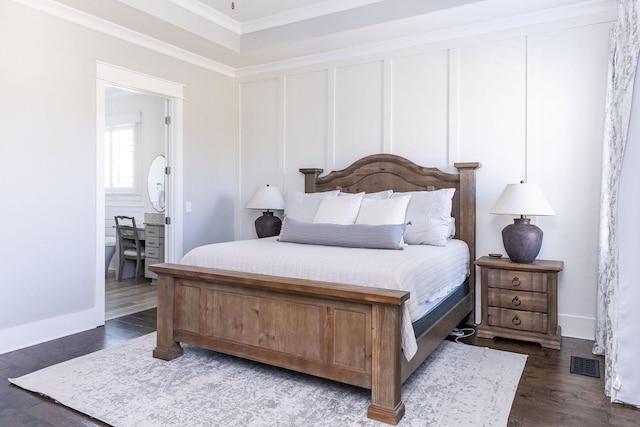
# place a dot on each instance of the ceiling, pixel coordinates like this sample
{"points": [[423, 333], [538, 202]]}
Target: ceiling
{"points": [[251, 10], [261, 33]]}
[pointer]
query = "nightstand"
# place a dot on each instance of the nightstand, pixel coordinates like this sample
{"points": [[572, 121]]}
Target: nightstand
{"points": [[520, 301]]}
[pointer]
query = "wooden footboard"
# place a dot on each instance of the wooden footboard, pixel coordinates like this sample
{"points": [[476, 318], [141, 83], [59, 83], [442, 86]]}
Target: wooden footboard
{"points": [[350, 334], [345, 333]]}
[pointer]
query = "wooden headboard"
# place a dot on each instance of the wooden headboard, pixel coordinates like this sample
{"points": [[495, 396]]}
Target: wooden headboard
{"points": [[380, 172], [347, 333]]}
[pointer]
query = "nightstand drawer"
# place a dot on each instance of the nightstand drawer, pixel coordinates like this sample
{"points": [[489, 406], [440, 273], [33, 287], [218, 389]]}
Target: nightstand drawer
{"points": [[517, 280], [153, 242], [527, 301], [152, 252], [516, 319], [154, 230]]}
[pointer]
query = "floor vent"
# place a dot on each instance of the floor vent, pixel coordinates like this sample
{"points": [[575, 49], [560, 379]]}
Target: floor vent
{"points": [[584, 366]]}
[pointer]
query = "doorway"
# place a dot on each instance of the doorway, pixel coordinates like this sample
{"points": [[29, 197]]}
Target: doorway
{"points": [[135, 159], [111, 80]]}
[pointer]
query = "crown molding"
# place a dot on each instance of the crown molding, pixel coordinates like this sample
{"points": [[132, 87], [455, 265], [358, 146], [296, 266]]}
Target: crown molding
{"points": [[301, 14], [210, 14], [584, 13], [86, 20], [588, 13]]}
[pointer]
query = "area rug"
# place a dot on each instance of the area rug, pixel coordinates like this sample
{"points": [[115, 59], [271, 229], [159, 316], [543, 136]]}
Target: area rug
{"points": [[458, 385]]}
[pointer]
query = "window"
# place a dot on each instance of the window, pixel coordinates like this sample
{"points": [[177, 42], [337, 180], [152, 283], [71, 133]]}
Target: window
{"points": [[120, 158]]}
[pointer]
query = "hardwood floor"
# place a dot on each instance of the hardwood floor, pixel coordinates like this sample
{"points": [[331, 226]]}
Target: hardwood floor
{"points": [[19, 408], [548, 395], [128, 297]]}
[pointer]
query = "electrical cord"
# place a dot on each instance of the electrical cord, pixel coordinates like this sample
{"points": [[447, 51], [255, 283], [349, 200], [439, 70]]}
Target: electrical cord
{"points": [[459, 333], [466, 332]]}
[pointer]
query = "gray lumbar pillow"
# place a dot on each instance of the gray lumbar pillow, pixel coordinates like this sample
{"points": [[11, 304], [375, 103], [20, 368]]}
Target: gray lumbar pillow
{"points": [[387, 236]]}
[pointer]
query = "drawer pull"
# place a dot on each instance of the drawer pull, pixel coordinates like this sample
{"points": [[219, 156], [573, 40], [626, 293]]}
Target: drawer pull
{"points": [[515, 281], [516, 321], [516, 301]]}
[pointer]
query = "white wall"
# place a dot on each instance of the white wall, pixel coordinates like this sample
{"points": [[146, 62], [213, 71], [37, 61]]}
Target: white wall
{"points": [[526, 103], [48, 155]]}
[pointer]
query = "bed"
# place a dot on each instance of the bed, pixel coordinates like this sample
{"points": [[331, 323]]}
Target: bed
{"points": [[340, 331]]}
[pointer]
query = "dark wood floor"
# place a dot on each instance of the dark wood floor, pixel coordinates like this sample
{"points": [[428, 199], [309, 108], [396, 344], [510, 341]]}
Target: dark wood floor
{"points": [[19, 408], [548, 395]]}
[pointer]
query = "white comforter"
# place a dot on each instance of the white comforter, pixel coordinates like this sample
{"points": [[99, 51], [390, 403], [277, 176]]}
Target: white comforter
{"points": [[427, 272]]}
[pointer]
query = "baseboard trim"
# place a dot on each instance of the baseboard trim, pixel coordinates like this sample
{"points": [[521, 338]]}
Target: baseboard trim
{"points": [[577, 326], [41, 331]]}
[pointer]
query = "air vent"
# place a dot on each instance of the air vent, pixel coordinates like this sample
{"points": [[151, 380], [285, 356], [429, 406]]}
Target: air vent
{"points": [[584, 366]]}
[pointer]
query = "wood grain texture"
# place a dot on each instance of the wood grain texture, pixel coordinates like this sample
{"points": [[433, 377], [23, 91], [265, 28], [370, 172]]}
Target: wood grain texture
{"points": [[127, 297], [531, 301], [520, 301], [346, 333], [168, 347]]}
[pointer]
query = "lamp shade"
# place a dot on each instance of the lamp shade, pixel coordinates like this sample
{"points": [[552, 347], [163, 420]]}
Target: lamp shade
{"points": [[522, 240], [266, 198], [522, 199]]}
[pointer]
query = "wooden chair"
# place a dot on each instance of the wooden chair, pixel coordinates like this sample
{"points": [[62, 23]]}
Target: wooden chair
{"points": [[129, 245]]}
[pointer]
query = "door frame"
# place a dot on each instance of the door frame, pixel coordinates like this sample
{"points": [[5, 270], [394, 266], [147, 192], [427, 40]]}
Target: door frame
{"points": [[107, 74]]}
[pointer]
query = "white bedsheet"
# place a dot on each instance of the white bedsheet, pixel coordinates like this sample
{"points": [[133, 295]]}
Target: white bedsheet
{"points": [[427, 272]]}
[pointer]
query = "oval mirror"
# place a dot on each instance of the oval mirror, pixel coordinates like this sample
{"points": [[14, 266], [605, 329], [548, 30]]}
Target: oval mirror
{"points": [[156, 183]]}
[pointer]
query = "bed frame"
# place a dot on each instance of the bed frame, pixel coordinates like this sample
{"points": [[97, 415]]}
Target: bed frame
{"points": [[346, 333]]}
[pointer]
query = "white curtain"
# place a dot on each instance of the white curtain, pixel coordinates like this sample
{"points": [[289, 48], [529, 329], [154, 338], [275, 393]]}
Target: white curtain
{"points": [[620, 214]]}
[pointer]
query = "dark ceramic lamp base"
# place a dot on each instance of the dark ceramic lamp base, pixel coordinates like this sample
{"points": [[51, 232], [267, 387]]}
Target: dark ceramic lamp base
{"points": [[268, 225], [522, 241]]}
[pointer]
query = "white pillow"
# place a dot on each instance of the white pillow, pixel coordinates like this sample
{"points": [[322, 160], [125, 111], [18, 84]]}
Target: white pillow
{"points": [[303, 206], [338, 209], [429, 213], [378, 195], [383, 211]]}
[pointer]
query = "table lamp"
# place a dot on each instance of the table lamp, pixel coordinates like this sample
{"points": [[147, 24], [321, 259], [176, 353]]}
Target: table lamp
{"points": [[522, 240], [267, 198]]}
